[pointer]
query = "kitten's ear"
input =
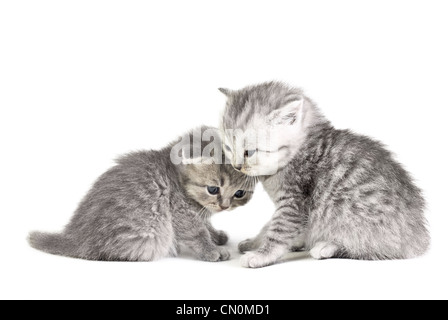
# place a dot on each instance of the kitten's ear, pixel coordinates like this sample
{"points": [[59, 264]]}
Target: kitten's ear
{"points": [[226, 92], [289, 114]]}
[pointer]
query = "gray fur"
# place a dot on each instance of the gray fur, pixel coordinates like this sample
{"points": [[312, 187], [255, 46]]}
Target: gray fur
{"points": [[145, 208], [340, 194]]}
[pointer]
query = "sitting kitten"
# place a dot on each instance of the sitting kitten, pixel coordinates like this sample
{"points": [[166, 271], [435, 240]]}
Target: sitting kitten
{"points": [[145, 207], [336, 193]]}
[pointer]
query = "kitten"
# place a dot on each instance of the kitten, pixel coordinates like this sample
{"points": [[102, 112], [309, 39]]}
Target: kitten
{"points": [[336, 193], [146, 207]]}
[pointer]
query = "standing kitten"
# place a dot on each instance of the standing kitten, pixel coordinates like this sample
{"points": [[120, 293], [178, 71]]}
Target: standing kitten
{"points": [[336, 193], [145, 207]]}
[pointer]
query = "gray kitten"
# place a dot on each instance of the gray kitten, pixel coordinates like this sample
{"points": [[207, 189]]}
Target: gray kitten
{"points": [[336, 193], [146, 207]]}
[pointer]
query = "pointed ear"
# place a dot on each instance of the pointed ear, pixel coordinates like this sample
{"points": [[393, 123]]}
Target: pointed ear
{"points": [[289, 114], [226, 92]]}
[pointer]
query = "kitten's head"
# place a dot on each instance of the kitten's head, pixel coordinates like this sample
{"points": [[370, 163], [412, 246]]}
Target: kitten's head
{"points": [[207, 179], [264, 126], [217, 187]]}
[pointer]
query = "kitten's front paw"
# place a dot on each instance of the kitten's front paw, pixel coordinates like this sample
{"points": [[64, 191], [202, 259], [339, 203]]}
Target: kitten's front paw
{"points": [[221, 238], [220, 254], [247, 245], [224, 254], [257, 260]]}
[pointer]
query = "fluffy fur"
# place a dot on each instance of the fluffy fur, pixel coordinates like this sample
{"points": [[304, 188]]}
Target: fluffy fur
{"points": [[337, 194], [145, 208]]}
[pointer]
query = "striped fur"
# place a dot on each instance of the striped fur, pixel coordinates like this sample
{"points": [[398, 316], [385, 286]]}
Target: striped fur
{"points": [[145, 208], [339, 193]]}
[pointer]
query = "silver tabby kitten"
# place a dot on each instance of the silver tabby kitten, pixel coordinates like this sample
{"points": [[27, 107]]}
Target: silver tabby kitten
{"points": [[146, 207], [336, 193]]}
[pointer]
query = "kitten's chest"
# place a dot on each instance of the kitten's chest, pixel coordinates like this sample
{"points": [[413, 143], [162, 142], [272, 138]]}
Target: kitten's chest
{"points": [[273, 186], [299, 185]]}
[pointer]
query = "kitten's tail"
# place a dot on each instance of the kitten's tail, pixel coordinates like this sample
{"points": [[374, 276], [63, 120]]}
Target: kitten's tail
{"points": [[53, 243]]}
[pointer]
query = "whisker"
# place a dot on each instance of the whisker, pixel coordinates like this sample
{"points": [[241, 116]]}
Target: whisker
{"points": [[243, 185], [251, 184], [200, 214], [207, 213], [254, 183], [247, 182]]}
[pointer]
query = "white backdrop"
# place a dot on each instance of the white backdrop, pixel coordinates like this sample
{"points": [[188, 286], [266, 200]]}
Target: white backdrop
{"points": [[84, 81]]}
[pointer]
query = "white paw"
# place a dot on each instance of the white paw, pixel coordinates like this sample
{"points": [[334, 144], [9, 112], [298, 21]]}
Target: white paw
{"points": [[257, 260], [324, 250]]}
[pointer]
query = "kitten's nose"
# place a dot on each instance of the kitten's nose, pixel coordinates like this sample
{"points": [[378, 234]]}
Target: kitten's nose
{"points": [[238, 167], [224, 207]]}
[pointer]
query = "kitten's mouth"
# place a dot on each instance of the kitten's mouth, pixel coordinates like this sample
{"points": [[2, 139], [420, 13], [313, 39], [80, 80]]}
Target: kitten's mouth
{"points": [[215, 209]]}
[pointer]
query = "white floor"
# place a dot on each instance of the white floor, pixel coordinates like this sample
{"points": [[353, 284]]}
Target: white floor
{"points": [[39, 276], [27, 273]]}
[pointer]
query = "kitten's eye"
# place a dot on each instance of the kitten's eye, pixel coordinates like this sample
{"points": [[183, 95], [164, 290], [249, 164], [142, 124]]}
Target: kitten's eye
{"points": [[240, 194], [213, 190], [249, 153]]}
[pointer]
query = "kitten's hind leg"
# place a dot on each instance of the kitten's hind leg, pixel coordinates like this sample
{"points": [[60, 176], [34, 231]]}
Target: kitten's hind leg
{"points": [[325, 250], [254, 243]]}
